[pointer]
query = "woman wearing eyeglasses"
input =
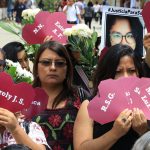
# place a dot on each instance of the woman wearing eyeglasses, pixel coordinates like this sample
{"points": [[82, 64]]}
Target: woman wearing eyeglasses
{"points": [[53, 72], [125, 30], [129, 31]]}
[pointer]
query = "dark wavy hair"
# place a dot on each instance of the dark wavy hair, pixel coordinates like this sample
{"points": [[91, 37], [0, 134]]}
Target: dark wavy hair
{"points": [[107, 66], [11, 49], [136, 29], [62, 52]]}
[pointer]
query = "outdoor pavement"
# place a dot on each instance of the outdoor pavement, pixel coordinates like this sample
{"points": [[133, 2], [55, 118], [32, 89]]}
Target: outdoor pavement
{"points": [[6, 37]]}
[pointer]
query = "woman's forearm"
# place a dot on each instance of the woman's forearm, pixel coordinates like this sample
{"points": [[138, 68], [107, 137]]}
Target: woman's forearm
{"points": [[103, 142], [22, 138]]}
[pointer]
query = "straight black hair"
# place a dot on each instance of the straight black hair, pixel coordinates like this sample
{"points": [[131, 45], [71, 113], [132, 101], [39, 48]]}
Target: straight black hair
{"points": [[107, 66]]}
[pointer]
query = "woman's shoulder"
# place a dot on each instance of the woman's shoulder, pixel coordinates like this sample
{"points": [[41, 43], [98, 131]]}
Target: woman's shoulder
{"points": [[84, 104]]}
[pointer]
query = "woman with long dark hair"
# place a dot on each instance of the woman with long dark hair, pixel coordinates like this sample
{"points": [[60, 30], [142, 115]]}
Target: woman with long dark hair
{"points": [[119, 61], [125, 30], [53, 72]]}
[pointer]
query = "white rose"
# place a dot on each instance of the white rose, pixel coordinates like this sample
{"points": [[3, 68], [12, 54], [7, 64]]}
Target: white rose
{"points": [[84, 34], [24, 13], [9, 62], [67, 31], [19, 70], [36, 11]]}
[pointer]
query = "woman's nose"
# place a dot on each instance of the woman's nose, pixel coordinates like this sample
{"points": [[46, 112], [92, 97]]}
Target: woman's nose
{"points": [[52, 66], [124, 41], [24, 64], [125, 74]]}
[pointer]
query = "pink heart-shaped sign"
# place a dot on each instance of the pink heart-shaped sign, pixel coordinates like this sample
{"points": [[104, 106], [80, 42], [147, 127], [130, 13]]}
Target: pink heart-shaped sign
{"points": [[145, 14], [38, 104], [116, 95], [45, 23], [109, 102], [14, 97], [140, 92]]}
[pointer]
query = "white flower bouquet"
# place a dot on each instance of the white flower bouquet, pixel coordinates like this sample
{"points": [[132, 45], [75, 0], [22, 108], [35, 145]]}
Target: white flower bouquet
{"points": [[28, 15], [15, 28], [83, 39], [80, 30], [18, 74]]}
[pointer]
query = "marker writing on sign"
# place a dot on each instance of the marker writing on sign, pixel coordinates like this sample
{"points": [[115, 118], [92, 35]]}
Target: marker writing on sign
{"points": [[56, 30], [6, 95], [38, 28], [37, 103], [129, 98], [11, 98], [108, 101], [148, 90]]}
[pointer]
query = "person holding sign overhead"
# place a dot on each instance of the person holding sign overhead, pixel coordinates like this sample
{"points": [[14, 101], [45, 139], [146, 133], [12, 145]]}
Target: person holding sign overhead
{"points": [[129, 125]]}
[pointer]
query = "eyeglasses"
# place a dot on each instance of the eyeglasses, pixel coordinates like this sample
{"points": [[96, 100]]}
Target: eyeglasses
{"points": [[117, 37], [57, 63]]}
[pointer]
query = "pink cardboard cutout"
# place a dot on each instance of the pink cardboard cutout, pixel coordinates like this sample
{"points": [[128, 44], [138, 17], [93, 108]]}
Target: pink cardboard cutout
{"points": [[52, 24], [145, 14], [38, 104], [116, 95], [14, 97], [141, 95]]}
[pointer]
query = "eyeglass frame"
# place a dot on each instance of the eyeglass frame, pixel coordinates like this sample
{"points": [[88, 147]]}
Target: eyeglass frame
{"points": [[122, 36], [53, 63]]}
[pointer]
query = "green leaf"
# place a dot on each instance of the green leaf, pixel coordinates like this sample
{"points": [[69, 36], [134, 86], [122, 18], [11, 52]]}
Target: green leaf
{"points": [[5, 26], [69, 148], [11, 28], [67, 117], [11, 71], [54, 134], [38, 119], [16, 25]]}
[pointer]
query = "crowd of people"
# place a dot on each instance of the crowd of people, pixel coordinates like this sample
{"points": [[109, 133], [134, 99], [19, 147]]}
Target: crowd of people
{"points": [[86, 11], [53, 71], [65, 123]]}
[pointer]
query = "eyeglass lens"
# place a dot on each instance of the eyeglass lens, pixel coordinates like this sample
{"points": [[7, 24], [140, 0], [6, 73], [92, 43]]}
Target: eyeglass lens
{"points": [[58, 63], [117, 37]]}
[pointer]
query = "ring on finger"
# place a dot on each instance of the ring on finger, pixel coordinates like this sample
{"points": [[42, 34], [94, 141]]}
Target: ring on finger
{"points": [[124, 120]]}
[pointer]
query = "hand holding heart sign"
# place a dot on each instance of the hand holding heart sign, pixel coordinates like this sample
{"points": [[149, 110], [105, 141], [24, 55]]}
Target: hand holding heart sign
{"points": [[46, 24], [14, 97], [17, 97], [114, 96]]}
